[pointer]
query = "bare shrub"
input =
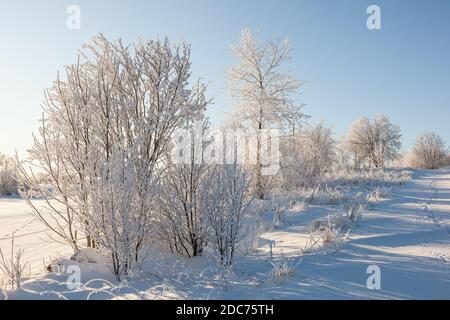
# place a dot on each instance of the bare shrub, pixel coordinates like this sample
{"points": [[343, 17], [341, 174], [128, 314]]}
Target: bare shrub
{"points": [[328, 233], [181, 206], [282, 269], [353, 208], [429, 151], [12, 268], [227, 203], [331, 236]]}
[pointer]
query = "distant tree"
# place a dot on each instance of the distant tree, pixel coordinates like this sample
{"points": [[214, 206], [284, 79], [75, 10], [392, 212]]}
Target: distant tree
{"points": [[306, 155], [429, 151], [344, 158], [374, 142], [8, 184], [265, 93]]}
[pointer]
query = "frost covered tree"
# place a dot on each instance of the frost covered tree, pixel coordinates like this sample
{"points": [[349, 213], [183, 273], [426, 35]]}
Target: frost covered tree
{"points": [[105, 128], [8, 184], [343, 155], [429, 151], [374, 141], [264, 91], [320, 148], [226, 206], [306, 156], [181, 206]]}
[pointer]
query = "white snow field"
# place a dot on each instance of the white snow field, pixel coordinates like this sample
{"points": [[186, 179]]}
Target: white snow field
{"points": [[29, 234], [407, 235]]}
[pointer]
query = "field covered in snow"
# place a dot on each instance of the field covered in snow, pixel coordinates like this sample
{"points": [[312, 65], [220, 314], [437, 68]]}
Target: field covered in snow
{"points": [[404, 232], [238, 166], [30, 235]]}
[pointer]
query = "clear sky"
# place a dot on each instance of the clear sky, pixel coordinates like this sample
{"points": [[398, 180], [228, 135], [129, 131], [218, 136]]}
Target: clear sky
{"points": [[402, 70]]}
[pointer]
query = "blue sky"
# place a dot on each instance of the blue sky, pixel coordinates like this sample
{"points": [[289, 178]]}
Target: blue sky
{"points": [[349, 71]]}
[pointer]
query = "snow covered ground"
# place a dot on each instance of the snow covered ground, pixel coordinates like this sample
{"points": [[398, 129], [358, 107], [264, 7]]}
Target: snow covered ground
{"points": [[407, 235], [29, 234]]}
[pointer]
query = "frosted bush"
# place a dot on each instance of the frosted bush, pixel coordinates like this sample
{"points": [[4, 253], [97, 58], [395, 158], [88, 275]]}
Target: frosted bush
{"points": [[226, 209], [12, 268], [101, 145], [331, 236], [326, 233], [374, 142], [282, 269], [353, 208], [429, 151]]}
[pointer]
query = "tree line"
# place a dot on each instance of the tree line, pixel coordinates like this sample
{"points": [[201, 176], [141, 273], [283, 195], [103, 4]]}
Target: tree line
{"points": [[101, 159]]}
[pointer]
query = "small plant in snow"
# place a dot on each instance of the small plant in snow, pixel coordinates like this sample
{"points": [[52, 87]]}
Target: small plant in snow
{"points": [[282, 269], [311, 244], [331, 236], [326, 233], [13, 268], [353, 208]]}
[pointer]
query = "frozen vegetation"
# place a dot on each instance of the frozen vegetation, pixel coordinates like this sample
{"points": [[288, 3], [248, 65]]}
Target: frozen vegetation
{"points": [[316, 251], [113, 202]]}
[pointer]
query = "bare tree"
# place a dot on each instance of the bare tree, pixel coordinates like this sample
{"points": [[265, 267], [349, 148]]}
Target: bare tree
{"points": [[8, 184], [181, 205], [104, 131], [227, 201], [375, 142], [263, 91], [306, 155], [344, 156], [429, 151]]}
